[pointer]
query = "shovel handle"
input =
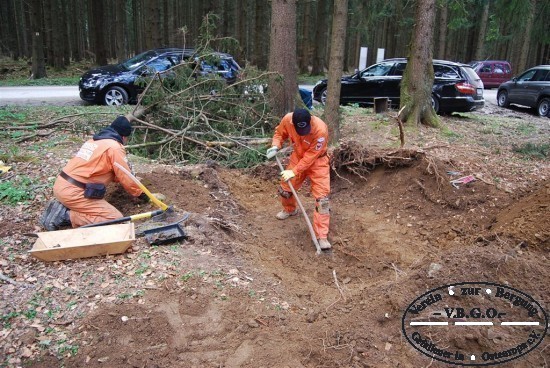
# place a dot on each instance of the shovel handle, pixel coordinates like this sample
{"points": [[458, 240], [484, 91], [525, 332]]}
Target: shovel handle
{"points": [[153, 199], [127, 218], [308, 222]]}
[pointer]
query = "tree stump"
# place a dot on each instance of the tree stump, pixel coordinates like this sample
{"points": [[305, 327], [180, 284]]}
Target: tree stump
{"points": [[381, 104]]}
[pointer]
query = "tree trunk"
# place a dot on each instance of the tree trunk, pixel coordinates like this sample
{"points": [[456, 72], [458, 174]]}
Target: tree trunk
{"points": [[47, 27], [282, 56], [75, 36], [57, 41], [98, 31], [319, 44], [38, 63], [480, 45], [336, 65], [138, 35], [442, 31], [416, 87], [527, 36], [120, 27], [65, 34], [304, 41], [261, 35]]}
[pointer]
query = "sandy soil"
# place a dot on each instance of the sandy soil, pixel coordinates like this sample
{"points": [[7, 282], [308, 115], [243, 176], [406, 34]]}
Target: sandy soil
{"points": [[247, 290]]}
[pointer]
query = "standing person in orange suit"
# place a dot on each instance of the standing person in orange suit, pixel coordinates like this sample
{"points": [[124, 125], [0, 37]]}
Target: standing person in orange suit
{"points": [[309, 135], [80, 187]]}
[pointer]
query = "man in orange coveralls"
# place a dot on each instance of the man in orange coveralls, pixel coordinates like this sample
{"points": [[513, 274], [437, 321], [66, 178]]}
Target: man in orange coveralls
{"points": [[309, 134], [93, 163]]}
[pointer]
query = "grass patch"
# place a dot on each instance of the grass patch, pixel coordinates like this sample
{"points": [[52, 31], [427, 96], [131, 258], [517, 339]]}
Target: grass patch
{"points": [[309, 79], [62, 81], [533, 150], [450, 134], [526, 129], [18, 190]]}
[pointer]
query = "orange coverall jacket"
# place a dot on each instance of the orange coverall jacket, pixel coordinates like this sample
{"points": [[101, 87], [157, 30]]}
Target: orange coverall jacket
{"points": [[94, 163], [309, 159]]}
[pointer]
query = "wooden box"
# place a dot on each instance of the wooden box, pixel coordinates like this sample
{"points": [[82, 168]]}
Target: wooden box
{"points": [[83, 242]]}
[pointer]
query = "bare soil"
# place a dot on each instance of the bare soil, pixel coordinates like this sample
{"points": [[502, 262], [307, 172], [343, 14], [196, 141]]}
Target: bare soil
{"points": [[247, 290]]}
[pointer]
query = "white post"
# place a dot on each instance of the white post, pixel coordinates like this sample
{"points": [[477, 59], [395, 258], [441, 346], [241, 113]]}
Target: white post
{"points": [[380, 55], [363, 58]]}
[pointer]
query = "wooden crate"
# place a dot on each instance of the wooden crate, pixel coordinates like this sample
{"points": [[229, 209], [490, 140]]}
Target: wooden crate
{"points": [[83, 242]]}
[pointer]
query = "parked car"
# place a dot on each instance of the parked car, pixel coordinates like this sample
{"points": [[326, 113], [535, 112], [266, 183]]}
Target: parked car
{"points": [[492, 72], [116, 84], [456, 86], [531, 88]]}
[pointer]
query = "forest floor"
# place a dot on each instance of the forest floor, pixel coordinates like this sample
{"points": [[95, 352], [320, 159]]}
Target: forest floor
{"points": [[247, 290]]}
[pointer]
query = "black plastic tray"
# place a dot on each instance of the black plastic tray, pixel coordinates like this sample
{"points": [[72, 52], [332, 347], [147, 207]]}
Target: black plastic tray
{"points": [[164, 234]]}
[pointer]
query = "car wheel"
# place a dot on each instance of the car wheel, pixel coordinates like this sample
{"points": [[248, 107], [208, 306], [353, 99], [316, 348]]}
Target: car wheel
{"points": [[115, 96], [543, 107], [435, 104], [502, 99], [324, 96]]}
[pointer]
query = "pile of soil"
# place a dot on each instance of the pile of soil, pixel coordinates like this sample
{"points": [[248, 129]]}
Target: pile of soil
{"points": [[276, 303]]}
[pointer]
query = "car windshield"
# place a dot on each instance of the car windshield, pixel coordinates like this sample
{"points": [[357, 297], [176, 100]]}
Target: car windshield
{"points": [[472, 75], [138, 60], [377, 70]]}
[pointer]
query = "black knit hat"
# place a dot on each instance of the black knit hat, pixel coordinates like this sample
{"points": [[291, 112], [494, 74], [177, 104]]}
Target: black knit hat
{"points": [[122, 126], [302, 121]]}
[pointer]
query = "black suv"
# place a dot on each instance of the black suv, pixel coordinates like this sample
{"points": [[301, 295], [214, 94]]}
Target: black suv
{"points": [[456, 87], [115, 84], [532, 89]]}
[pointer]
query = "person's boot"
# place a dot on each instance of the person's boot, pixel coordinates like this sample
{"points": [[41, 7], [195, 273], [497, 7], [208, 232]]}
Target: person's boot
{"points": [[283, 215], [55, 216], [324, 244]]}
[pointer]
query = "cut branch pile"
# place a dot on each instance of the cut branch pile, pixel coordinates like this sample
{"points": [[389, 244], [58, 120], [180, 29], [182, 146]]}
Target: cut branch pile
{"points": [[353, 157], [191, 118]]}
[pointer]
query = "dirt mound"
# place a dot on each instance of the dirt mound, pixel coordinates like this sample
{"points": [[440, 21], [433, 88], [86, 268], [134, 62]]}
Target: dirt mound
{"points": [[527, 221], [275, 303]]}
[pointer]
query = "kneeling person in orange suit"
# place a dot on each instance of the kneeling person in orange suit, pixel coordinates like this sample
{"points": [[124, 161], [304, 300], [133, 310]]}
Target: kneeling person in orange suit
{"points": [[309, 134], [78, 202]]}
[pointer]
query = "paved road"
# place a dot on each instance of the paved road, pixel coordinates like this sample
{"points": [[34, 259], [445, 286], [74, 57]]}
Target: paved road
{"points": [[490, 96], [68, 95], [43, 95]]}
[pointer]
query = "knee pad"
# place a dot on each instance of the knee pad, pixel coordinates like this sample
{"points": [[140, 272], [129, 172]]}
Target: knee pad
{"points": [[322, 205], [283, 193]]}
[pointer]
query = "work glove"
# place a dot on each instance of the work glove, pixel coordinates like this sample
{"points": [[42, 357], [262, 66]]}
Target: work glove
{"points": [[161, 197], [272, 152], [287, 175]]}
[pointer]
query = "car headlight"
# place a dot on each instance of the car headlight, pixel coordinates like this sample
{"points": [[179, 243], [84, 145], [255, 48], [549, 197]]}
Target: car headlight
{"points": [[91, 83]]}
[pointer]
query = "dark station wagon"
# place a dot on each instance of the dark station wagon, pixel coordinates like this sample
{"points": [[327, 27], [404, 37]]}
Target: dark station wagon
{"points": [[456, 86], [531, 89], [116, 84]]}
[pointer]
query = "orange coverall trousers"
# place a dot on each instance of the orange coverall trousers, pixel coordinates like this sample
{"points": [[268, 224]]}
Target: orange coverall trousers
{"points": [[83, 210], [319, 175]]}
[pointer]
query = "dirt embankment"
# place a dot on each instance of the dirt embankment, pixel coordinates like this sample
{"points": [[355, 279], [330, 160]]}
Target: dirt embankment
{"points": [[256, 295]]}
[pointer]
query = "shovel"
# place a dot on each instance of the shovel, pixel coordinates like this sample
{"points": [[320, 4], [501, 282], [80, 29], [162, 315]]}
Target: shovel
{"points": [[132, 218], [308, 222]]}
